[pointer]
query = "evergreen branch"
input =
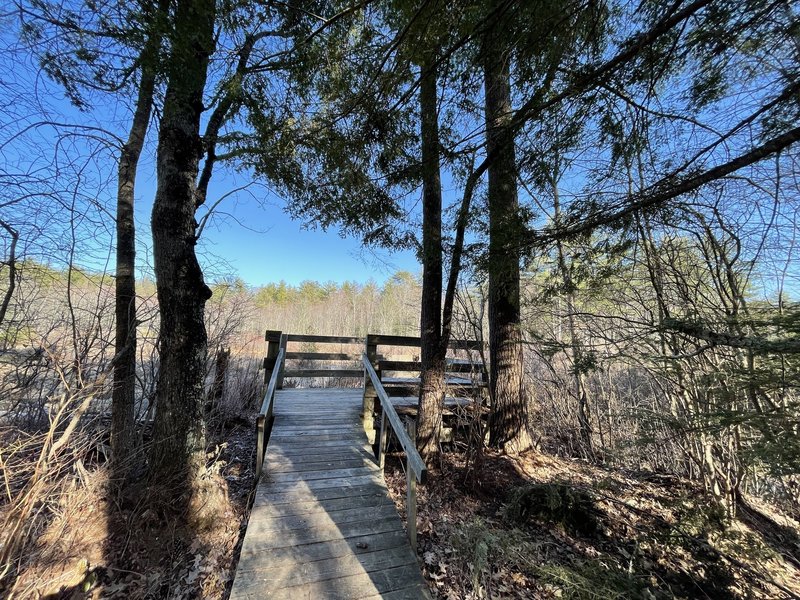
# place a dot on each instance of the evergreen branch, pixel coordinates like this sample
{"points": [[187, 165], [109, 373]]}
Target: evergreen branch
{"points": [[755, 343], [666, 190]]}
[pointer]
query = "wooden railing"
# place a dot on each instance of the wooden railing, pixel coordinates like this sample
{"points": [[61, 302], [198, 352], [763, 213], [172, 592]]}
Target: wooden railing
{"points": [[277, 340], [264, 419], [416, 471], [380, 364]]}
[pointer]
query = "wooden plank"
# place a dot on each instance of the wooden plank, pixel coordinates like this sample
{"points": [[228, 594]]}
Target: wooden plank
{"points": [[301, 466], [316, 446], [318, 434], [452, 366], [295, 451], [312, 438], [320, 414], [412, 341], [320, 429], [357, 373], [400, 390], [449, 402], [298, 525], [311, 487], [355, 545], [395, 391], [306, 476], [449, 381], [325, 339], [466, 345], [331, 405], [412, 592], [348, 587], [356, 586], [298, 555], [284, 538], [301, 420], [477, 369], [393, 340], [287, 509], [315, 462], [289, 575], [399, 365], [295, 421], [322, 495], [322, 356]]}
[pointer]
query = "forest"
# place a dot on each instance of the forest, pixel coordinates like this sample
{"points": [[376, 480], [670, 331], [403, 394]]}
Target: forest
{"points": [[602, 193]]}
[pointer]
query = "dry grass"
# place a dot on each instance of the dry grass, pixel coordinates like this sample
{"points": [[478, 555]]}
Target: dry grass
{"points": [[68, 532], [88, 542]]}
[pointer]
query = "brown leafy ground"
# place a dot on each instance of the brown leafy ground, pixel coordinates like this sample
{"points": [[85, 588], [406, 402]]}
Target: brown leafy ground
{"points": [[542, 527], [97, 545]]}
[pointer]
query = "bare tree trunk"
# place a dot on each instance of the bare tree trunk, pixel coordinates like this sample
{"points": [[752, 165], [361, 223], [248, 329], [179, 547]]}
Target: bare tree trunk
{"points": [[431, 398], [509, 416], [123, 398], [217, 394], [179, 434], [12, 269]]}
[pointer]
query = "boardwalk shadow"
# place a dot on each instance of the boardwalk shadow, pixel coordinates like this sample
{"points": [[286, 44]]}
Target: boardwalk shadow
{"points": [[323, 525]]}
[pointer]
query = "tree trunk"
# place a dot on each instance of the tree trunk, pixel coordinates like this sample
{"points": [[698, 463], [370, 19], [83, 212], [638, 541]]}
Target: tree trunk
{"points": [[178, 449], [508, 419], [431, 397], [12, 269], [123, 398], [217, 394]]}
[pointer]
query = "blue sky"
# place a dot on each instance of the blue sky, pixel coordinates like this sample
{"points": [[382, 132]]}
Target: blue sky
{"points": [[265, 245], [252, 237]]}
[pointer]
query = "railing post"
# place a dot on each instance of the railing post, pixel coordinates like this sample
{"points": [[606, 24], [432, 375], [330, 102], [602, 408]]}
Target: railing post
{"points": [[282, 346], [383, 440], [411, 506], [273, 339], [368, 408], [261, 432]]}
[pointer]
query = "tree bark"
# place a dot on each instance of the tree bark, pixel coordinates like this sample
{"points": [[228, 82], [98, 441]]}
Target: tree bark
{"points": [[123, 397], [12, 269], [178, 449], [508, 419], [431, 397]]}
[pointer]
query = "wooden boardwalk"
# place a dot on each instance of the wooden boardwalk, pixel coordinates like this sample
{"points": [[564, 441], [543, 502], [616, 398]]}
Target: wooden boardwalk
{"points": [[323, 525]]}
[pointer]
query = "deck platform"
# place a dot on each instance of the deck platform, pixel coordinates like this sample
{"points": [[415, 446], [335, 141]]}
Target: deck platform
{"points": [[323, 525]]}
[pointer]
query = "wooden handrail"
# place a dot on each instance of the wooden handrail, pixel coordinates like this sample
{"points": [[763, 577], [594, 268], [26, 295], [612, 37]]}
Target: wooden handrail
{"points": [[265, 414], [305, 372], [325, 339], [415, 466], [410, 341]]}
